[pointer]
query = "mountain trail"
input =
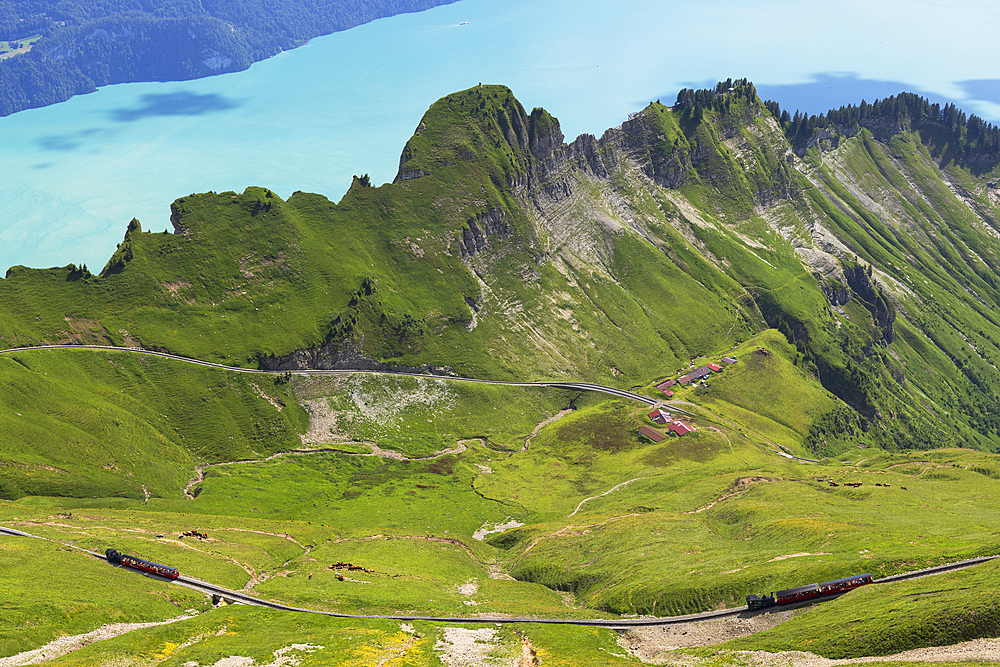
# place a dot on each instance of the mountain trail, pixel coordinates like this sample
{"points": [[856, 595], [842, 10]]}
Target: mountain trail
{"points": [[69, 643], [541, 425], [741, 486], [613, 488], [285, 536]]}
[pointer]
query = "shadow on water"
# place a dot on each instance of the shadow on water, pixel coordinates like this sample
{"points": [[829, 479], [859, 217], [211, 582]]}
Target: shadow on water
{"points": [[181, 103], [832, 90], [987, 90], [65, 142], [58, 142]]}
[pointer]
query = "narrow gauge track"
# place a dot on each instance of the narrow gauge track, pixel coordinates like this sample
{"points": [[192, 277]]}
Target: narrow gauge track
{"points": [[614, 624], [937, 569], [577, 386]]}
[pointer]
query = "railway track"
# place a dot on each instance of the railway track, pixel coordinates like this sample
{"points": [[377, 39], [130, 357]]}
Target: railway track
{"points": [[614, 624], [937, 569], [575, 386], [242, 598]]}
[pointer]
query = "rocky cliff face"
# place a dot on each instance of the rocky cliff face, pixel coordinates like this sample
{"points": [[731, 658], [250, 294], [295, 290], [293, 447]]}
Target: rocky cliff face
{"points": [[342, 356], [726, 181], [873, 297], [491, 223]]}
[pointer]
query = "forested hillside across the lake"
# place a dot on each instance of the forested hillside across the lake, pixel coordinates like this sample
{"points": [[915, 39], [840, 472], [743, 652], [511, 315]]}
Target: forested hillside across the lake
{"points": [[50, 51]]}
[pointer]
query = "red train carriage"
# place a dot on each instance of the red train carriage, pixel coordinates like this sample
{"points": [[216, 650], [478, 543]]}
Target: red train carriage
{"points": [[797, 594], [808, 592], [116, 558], [845, 584]]}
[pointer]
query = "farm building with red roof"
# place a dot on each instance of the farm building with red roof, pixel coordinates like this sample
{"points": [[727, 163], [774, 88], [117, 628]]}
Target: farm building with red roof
{"points": [[696, 374], [680, 428], [652, 434], [659, 416]]}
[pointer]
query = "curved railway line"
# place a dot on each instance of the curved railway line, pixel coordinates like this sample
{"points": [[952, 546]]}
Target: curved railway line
{"points": [[575, 386], [613, 624]]}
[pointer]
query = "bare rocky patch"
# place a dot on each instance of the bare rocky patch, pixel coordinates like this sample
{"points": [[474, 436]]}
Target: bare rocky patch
{"points": [[655, 645], [486, 529], [174, 287], [796, 555], [339, 407], [665, 645], [68, 644], [464, 647], [288, 656]]}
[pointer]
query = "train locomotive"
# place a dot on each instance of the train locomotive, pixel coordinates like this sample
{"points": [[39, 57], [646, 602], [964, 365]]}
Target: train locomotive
{"points": [[808, 592], [116, 558]]}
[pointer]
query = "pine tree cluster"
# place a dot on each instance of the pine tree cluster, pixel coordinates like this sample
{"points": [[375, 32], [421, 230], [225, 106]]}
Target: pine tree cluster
{"points": [[719, 99], [968, 137]]}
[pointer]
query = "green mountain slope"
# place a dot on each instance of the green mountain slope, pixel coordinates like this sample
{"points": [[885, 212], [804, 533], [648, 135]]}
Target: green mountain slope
{"points": [[117, 425], [446, 270], [500, 251]]}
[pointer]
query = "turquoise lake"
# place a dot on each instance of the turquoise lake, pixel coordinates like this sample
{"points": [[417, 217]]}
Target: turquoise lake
{"points": [[76, 173]]}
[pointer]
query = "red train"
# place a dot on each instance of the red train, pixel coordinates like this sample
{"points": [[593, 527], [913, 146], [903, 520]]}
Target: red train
{"points": [[808, 592], [116, 558]]}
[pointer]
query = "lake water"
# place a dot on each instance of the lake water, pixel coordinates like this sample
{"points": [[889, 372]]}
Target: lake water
{"points": [[76, 173]]}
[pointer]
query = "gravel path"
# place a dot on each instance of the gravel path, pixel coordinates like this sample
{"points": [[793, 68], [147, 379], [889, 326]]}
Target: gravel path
{"points": [[70, 643], [614, 488], [985, 651], [655, 644], [660, 646]]}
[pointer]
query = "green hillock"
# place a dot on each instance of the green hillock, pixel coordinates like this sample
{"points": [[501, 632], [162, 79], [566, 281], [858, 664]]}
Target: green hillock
{"points": [[114, 425], [247, 279]]}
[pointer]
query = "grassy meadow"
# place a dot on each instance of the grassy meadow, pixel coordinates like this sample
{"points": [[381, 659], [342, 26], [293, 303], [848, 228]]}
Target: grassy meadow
{"points": [[114, 424], [599, 521]]}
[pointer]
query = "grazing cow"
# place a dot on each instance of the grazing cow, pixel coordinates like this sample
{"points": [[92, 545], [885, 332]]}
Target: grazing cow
{"points": [[903, 488]]}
